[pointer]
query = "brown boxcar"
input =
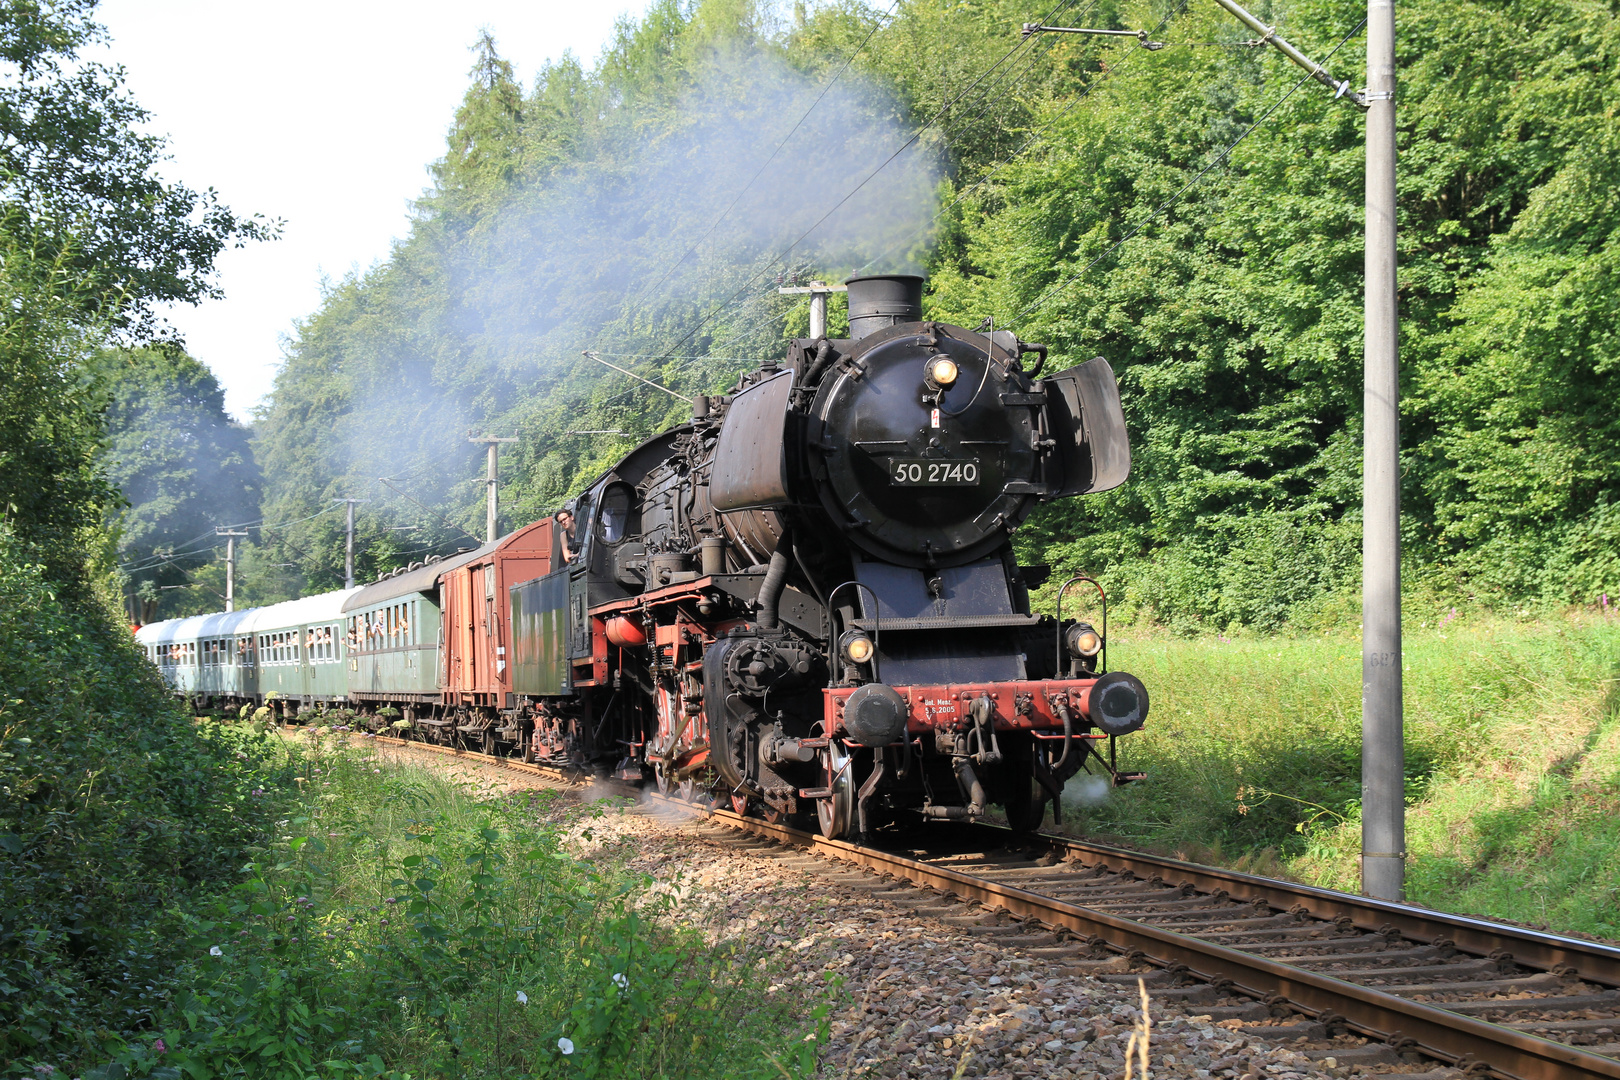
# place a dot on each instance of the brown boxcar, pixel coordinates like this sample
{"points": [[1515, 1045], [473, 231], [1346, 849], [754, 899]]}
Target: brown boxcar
{"points": [[475, 675]]}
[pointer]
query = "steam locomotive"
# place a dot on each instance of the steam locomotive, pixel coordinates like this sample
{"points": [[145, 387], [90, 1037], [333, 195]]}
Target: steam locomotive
{"points": [[804, 602]]}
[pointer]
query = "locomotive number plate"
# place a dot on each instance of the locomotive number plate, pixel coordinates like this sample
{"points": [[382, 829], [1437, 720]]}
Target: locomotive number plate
{"points": [[934, 472]]}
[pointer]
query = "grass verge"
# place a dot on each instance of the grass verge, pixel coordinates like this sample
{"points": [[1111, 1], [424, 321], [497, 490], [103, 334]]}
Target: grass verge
{"points": [[401, 924], [1513, 763]]}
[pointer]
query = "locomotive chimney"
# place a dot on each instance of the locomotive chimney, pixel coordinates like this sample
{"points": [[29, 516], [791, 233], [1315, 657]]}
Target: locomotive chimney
{"points": [[881, 300]]}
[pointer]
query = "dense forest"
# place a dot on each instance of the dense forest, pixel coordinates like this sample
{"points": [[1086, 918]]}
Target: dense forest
{"points": [[1191, 213]]}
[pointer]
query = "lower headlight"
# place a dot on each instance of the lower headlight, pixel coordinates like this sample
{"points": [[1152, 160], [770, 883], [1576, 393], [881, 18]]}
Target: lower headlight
{"points": [[856, 647], [1083, 640]]}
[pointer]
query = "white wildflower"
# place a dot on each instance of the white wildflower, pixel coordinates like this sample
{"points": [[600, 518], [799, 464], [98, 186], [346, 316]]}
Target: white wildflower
{"points": [[566, 1045], [523, 999], [216, 951], [621, 981]]}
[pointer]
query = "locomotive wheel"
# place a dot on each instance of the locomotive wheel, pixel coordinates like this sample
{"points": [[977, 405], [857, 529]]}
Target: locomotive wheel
{"points": [[686, 790], [836, 815], [661, 778], [1026, 802], [739, 804]]}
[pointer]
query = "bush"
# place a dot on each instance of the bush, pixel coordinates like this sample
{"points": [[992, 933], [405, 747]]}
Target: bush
{"points": [[398, 927], [115, 809]]}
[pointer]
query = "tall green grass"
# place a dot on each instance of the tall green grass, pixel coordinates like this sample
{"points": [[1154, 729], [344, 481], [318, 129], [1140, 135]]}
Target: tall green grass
{"points": [[1513, 762], [402, 924]]}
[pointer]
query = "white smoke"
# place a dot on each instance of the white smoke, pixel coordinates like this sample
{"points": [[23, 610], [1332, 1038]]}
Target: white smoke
{"points": [[1086, 789]]}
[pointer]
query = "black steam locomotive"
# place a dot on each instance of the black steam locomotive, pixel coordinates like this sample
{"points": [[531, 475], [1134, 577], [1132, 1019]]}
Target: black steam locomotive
{"points": [[805, 601]]}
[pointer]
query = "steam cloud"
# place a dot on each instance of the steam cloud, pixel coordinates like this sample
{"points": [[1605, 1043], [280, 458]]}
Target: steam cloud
{"points": [[622, 254], [1086, 789]]}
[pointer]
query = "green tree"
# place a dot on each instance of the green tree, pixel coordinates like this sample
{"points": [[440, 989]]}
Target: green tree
{"points": [[1097, 196], [78, 176], [92, 241], [54, 496], [183, 467]]}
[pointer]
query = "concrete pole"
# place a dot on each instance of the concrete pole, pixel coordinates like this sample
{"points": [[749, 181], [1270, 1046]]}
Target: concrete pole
{"points": [[818, 291], [492, 484], [230, 565], [348, 549], [492, 506], [1383, 755]]}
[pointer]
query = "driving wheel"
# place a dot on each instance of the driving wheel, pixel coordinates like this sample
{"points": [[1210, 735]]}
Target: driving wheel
{"points": [[836, 814]]}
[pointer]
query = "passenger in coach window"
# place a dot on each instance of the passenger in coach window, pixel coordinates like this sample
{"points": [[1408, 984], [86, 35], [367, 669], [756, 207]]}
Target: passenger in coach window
{"points": [[566, 521]]}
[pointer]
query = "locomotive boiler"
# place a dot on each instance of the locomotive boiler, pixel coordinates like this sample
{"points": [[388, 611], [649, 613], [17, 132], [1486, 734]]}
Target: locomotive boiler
{"points": [[806, 599]]}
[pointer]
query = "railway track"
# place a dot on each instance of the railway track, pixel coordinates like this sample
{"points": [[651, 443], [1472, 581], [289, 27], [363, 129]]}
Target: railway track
{"points": [[1489, 998]]}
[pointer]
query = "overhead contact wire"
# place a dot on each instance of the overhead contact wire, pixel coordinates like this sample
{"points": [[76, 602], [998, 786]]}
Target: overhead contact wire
{"points": [[1055, 290], [1039, 132]]}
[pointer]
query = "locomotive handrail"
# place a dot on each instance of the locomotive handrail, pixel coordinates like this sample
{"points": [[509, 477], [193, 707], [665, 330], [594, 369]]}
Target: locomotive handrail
{"points": [[1058, 633], [877, 628]]}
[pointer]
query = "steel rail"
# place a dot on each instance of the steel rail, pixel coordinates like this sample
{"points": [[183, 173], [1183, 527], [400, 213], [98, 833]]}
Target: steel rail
{"points": [[1593, 961], [549, 772], [1404, 1024]]}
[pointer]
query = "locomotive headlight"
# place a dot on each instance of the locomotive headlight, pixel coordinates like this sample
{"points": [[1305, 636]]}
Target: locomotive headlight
{"points": [[1083, 640], [856, 647], [943, 372]]}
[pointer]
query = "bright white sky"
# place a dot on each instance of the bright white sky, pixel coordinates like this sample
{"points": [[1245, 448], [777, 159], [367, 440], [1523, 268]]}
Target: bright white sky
{"points": [[324, 114]]}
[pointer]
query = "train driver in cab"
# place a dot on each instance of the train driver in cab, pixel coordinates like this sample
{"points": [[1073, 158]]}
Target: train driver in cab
{"points": [[565, 522]]}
